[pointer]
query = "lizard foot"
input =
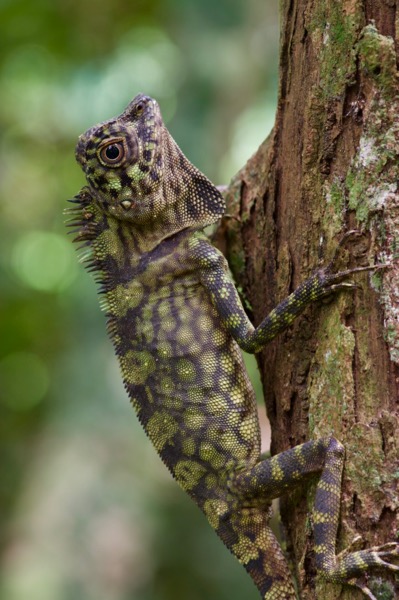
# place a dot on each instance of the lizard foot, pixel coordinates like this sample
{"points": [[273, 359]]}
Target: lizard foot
{"points": [[356, 563], [327, 280]]}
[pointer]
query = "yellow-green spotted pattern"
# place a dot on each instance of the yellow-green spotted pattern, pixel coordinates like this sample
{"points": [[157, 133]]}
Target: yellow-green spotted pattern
{"points": [[177, 322]]}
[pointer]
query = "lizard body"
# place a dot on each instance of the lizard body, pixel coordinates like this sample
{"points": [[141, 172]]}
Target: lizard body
{"points": [[177, 323]]}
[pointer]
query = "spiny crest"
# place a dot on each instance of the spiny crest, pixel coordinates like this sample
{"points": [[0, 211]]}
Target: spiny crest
{"points": [[81, 218], [87, 223], [137, 173]]}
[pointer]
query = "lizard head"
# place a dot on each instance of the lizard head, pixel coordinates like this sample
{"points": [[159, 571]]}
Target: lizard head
{"points": [[121, 157], [137, 173]]}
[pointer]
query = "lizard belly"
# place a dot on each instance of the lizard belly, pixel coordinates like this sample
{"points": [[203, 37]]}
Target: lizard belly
{"points": [[185, 376]]}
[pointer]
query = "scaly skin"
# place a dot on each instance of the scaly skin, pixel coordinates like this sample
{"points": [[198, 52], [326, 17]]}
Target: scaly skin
{"points": [[177, 322]]}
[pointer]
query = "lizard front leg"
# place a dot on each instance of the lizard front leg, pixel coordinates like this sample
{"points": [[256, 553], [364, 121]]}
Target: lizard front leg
{"points": [[217, 280]]}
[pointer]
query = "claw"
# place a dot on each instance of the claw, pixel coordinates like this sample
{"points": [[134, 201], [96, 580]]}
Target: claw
{"points": [[388, 566], [389, 546], [347, 272], [336, 279], [363, 587], [388, 551], [345, 285]]}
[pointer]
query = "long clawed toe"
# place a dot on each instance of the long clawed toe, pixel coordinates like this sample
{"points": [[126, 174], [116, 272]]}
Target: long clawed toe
{"points": [[389, 566], [330, 269], [392, 547], [386, 555], [336, 279], [387, 552], [363, 587]]}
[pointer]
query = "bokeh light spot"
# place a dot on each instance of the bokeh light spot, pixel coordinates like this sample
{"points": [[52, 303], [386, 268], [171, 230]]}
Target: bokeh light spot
{"points": [[24, 380], [44, 261]]}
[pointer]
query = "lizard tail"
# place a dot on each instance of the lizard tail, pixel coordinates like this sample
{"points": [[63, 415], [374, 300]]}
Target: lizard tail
{"points": [[248, 536]]}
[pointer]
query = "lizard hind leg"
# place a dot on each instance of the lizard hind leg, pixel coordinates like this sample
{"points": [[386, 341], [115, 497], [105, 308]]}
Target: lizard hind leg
{"points": [[346, 567], [255, 545], [273, 477]]}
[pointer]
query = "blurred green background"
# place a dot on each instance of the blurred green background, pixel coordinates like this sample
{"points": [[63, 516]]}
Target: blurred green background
{"points": [[87, 510]]}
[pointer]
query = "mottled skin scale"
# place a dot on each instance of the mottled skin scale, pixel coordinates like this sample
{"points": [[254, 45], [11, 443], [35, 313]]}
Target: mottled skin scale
{"points": [[177, 322]]}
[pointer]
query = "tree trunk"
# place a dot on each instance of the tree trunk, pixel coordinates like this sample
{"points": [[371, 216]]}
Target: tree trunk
{"points": [[330, 165]]}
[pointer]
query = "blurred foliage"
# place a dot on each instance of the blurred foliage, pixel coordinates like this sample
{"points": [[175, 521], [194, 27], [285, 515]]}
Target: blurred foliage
{"points": [[88, 512]]}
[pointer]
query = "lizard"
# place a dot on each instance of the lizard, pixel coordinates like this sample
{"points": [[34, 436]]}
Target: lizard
{"points": [[177, 325]]}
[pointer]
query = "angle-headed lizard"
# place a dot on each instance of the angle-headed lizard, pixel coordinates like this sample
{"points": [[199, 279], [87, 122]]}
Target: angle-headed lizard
{"points": [[177, 323]]}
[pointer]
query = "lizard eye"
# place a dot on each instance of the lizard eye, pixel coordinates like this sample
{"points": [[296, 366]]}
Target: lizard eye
{"points": [[112, 153], [139, 108]]}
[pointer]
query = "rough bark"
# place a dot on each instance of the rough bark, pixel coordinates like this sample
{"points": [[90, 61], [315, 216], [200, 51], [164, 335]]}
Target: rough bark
{"points": [[330, 164]]}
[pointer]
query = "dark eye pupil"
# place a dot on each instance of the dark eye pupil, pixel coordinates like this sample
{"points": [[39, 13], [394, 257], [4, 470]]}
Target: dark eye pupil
{"points": [[112, 152]]}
